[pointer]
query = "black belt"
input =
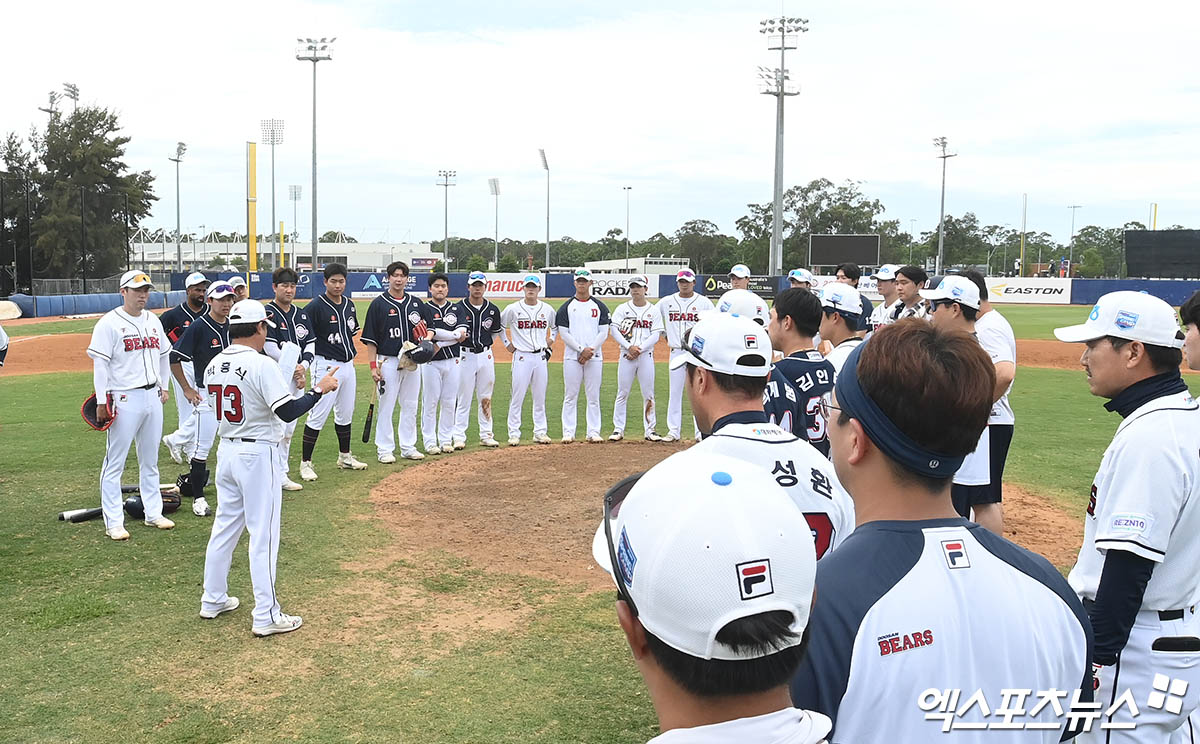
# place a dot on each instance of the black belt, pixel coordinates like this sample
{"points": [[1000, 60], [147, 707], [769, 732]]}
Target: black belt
{"points": [[240, 439], [1164, 615], [477, 349], [151, 386]]}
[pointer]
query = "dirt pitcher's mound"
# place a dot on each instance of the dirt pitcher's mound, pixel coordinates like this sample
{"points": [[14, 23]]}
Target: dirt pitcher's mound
{"points": [[529, 510]]}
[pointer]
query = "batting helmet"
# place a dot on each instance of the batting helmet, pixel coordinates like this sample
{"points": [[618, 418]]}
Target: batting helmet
{"points": [[745, 303], [88, 411], [423, 353], [134, 508]]}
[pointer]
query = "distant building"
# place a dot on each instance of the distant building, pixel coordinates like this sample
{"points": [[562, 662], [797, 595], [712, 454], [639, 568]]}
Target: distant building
{"points": [[640, 265], [357, 256]]}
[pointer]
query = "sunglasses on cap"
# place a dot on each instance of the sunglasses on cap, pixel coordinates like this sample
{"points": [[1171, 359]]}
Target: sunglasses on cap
{"points": [[613, 500]]}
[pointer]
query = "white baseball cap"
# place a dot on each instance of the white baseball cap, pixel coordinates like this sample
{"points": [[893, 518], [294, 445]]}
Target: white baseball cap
{"points": [[584, 274], [246, 312], [685, 275], [531, 279], [802, 275], [841, 297], [741, 271], [477, 277], [744, 302], [726, 343], [639, 280], [220, 289], [701, 541], [1136, 316], [886, 273], [956, 288], [135, 280], [238, 281], [193, 279]]}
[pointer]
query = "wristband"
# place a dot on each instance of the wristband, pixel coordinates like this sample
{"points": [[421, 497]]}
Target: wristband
{"points": [[374, 365]]}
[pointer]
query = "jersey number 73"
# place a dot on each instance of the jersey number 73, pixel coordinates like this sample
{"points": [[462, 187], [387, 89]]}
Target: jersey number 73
{"points": [[228, 402]]}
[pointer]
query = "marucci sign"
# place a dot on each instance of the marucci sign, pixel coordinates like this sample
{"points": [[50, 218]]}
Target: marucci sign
{"points": [[1029, 290]]}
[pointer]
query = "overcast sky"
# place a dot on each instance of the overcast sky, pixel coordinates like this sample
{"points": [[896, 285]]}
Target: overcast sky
{"points": [[1096, 104]]}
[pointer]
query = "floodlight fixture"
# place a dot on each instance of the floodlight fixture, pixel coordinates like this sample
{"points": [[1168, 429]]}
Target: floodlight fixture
{"points": [[941, 142], [314, 51], [546, 167], [775, 81], [180, 149]]}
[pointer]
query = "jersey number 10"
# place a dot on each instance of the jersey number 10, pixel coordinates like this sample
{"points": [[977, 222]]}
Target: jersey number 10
{"points": [[231, 394]]}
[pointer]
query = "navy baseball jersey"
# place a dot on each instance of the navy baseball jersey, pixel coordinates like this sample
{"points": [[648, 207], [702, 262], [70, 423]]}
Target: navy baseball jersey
{"points": [[334, 326], [909, 606], [445, 317], [176, 320], [864, 320], [483, 323], [782, 401], [203, 340], [391, 322], [293, 326], [813, 377]]}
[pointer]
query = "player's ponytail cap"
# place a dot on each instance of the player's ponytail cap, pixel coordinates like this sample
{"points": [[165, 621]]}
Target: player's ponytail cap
{"points": [[532, 279], [477, 277], [726, 343], [700, 541], [741, 271], [857, 404], [193, 279], [1135, 316], [221, 289], [248, 312], [685, 275], [135, 280], [954, 288]]}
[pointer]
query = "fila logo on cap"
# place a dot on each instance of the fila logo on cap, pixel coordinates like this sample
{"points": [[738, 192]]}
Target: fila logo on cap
{"points": [[751, 342], [956, 554], [754, 579]]}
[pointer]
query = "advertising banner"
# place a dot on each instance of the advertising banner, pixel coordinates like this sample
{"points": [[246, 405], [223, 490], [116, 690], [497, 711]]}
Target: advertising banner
{"points": [[713, 286], [510, 286], [616, 286], [1029, 290]]}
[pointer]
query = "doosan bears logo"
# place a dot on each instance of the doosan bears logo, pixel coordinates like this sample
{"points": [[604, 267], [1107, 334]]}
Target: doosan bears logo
{"points": [[137, 343], [677, 316], [526, 325], [644, 323], [894, 643]]}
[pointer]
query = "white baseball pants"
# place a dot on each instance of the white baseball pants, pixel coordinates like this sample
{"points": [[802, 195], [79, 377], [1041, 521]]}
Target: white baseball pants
{"points": [[341, 402], [285, 445], [528, 372], [185, 429], [249, 497], [641, 368], [476, 377], [678, 381], [439, 385], [590, 375], [204, 429], [139, 422], [403, 386]]}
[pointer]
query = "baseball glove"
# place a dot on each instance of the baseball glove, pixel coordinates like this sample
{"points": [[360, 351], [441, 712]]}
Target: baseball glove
{"points": [[406, 361], [88, 411], [423, 353], [547, 353], [625, 328], [135, 509]]}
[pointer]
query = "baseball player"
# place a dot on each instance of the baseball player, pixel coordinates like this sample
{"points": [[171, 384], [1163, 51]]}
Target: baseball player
{"points": [[529, 321], [841, 311], [1189, 312], [3, 346], [849, 273], [727, 360], [1136, 571], [885, 280], [129, 373], [714, 576], [582, 322], [636, 325], [801, 279], [910, 280], [739, 277], [253, 402], [477, 377], [203, 340], [680, 311], [439, 377], [290, 341], [240, 289], [175, 321], [395, 318], [917, 597], [794, 321], [335, 322]]}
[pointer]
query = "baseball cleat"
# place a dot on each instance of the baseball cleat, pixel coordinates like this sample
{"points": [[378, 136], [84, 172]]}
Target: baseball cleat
{"points": [[162, 523], [387, 458], [306, 471], [489, 442], [231, 604], [652, 436], [291, 485], [568, 440], [285, 624], [541, 439], [460, 444], [412, 455], [595, 438], [200, 508], [447, 449], [117, 533], [514, 441], [670, 438], [616, 436], [174, 450], [433, 450], [347, 461]]}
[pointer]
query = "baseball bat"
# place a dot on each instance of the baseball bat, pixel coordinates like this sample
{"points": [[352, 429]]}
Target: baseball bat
{"points": [[370, 414], [79, 515], [162, 487]]}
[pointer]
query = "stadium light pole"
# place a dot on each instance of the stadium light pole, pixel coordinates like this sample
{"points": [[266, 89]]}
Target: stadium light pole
{"points": [[314, 50], [627, 189], [941, 254], [72, 92], [52, 108], [1071, 241], [912, 238], [781, 34], [445, 183], [546, 167], [294, 193], [180, 149], [272, 134], [494, 188]]}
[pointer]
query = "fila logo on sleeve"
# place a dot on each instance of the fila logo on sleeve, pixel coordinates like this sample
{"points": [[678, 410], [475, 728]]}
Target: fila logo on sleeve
{"points": [[956, 554], [754, 579]]}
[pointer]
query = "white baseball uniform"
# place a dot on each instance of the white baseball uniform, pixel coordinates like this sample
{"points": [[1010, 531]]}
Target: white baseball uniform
{"points": [[1146, 500], [246, 389], [129, 363], [582, 325], [3, 345], [185, 431], [640, 327], [785, 726], [841, 353], [529, 326], [439, 376], [477, 376], [679, 314], [883, 314]]}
